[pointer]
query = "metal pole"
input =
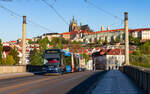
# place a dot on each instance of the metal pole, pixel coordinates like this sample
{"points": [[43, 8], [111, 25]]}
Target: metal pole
{"points": [[24, 41], [126, 39]]}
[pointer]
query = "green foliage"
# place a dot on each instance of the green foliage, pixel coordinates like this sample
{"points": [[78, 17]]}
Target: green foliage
{"points": [[64, 41], [100, 41], [116, 40], [14, 53], [30, 42], [137, 41], [1, 49], [8, 60], [137, 52], [58, 42], [140, 64], [86, 57], [141, 56], [140, 60], [131, 39], [105, 41], [145, 48], [35, 58], [76, 42], [43, 44]]}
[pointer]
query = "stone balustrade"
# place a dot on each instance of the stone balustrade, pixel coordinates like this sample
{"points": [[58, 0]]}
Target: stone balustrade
{"points": [[141, 76], [12, 69], [20, 68]]}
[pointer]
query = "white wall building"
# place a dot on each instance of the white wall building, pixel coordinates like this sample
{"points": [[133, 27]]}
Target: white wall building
{"points": [[110, 59]]}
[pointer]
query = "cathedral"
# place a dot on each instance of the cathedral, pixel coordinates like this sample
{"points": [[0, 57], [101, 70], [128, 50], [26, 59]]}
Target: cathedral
{"points": [[74, 26]]}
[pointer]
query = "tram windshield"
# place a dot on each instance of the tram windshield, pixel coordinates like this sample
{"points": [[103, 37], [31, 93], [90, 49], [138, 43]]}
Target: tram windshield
{"points": [[52, 61]]}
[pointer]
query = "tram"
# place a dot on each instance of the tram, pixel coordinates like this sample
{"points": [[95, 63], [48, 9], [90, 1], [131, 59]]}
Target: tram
{"points": [[58, 61]]}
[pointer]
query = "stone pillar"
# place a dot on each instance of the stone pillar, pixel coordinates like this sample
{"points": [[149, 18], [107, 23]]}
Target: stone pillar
{"points": [[24, 41], [102, 28], [126, 39], [108, 28]]}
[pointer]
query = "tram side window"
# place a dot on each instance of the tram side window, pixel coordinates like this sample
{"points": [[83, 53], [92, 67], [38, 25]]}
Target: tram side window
{"points": [[67, 60]]}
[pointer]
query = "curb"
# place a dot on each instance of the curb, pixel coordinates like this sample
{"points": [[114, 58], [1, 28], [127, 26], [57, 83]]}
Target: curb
{"points": [[16, 75]]}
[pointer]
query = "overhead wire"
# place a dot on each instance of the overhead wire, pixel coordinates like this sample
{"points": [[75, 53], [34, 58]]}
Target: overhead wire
{"points": [[57, 13], [105, 11], [30, 21]]}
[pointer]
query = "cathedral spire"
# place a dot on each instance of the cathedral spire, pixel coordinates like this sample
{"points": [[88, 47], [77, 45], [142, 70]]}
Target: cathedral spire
{"points": [[76, 22], [73, 20], [80, 23]]}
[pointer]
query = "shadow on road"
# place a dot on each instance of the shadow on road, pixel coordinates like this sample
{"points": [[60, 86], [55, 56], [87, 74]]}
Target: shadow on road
{"points": [[87, 84]]}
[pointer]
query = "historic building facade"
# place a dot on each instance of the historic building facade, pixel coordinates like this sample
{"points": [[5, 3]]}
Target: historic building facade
{"points": [[75, 27]]}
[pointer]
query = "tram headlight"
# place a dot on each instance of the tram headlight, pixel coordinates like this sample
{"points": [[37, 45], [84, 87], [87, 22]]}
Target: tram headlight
{"points": [[43, 68], [56, 69]]}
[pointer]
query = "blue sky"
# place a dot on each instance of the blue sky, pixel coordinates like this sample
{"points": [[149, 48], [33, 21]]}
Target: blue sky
{"points": [[37, 11]]}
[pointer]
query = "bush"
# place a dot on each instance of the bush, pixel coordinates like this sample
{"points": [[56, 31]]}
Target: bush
{"points": [[140, 60], [8, 60]]}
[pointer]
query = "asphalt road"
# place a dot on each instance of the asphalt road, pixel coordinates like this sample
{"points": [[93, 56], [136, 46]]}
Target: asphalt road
{"points": [[40, 84]]}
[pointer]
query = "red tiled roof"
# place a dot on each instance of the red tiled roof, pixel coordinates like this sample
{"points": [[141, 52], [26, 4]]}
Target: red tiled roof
{"points": [[130, 30], [12, 41], [116, 52], [131, 52], [65, 33], [77, 32], [28, 39], [102, 52], [139, 29], [110, 30]]}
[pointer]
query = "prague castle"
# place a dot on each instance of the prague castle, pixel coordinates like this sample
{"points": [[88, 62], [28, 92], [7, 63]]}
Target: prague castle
{"points": [[74, 26]]}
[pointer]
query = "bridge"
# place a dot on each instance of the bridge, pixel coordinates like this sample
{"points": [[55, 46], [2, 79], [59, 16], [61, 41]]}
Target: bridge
{"points": [[126, 80]]}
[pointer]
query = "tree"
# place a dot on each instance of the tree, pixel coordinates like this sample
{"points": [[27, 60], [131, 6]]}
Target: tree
{"points": [[30, 42], [145, 48], [57, 42], [116, 40], [86, 57], [1, 51], [131, 39], [64, 41], [137, 52], [14, 53], [137, 41], [100, 41], [43, 44], [35, 58], [9, 60], [105, 41], [76, 42]]}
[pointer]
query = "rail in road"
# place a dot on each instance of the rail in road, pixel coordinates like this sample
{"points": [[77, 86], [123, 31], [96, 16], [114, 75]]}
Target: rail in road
{"points": [[44, 84], [115, 82]]}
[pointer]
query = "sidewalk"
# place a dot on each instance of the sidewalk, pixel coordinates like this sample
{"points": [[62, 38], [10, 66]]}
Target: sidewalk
{"points": [[115, 82], [15, 75]]}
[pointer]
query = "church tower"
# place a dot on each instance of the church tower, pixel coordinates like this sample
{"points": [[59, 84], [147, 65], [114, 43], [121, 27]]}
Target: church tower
{"points": [[73, 25]]}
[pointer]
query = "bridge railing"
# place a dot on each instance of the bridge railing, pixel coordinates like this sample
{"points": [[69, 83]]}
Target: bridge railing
{"points": [[20, 68], [141, 76]]}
